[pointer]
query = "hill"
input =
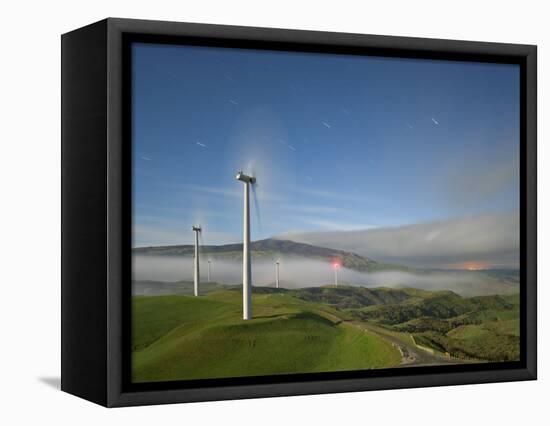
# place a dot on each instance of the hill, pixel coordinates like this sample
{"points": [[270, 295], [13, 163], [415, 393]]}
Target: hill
{"points": [[346, 297], [440, 305], [184, 338], [480, 328], [179, 337], [269, 248]]}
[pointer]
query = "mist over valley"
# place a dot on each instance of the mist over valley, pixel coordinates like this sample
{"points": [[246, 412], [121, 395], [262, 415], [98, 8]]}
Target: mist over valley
{"points": [[158, 270]]}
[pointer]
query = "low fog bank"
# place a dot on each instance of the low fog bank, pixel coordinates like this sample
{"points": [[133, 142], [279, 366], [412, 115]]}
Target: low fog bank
{"points": [[491, 239], [294, 272], [297, 273], [464, 283]]}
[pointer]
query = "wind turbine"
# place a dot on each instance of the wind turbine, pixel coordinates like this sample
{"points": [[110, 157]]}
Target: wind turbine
{"points": [[196, 273], [277, 274], [208, 270], [336, 266], [247, 267]]}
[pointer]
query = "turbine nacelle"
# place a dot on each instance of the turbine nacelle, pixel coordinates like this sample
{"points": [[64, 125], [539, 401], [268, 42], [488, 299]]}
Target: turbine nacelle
{"points": [[245, 178], [196, 228]]}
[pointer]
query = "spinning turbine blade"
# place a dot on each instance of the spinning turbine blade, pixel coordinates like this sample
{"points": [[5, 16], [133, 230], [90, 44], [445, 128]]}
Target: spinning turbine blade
{"points": [[254, 187], [201, 241], [257, 207]]}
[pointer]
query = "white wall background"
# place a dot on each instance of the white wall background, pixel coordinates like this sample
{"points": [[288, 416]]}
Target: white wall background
{"points": [[30, 177]]}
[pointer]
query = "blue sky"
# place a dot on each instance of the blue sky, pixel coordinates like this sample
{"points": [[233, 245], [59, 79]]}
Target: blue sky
{"points": [[337, 142]]}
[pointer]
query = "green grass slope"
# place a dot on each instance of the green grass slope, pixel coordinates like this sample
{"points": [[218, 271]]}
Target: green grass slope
{"points": [[480, 328], [348, 297], [438, 305], [183, 338]]}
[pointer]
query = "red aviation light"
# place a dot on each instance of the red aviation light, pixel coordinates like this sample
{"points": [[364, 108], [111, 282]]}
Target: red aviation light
{"points": [[336, 263]]}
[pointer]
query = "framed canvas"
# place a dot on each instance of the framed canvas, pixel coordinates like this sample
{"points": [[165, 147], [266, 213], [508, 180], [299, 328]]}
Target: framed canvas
{"points": [[254, 212]]}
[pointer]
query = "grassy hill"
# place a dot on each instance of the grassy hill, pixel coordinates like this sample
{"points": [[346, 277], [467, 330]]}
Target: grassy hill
{"points": [[484, 328], [481, 327], [183, 338], [439, 305], [347, 297], [491, 334]]}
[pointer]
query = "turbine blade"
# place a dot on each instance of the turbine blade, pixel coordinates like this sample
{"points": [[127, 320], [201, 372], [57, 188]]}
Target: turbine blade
{"points": [[256, 207], [251, 167]]}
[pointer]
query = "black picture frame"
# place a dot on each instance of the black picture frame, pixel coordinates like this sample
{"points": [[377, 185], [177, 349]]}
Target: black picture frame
{"points": [[96, 197]]}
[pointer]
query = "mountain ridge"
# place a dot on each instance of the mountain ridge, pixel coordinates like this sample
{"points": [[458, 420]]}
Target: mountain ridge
{"points": [[265, 248]]}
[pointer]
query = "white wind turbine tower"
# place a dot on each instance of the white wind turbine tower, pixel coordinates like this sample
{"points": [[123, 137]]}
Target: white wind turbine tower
{"points": [[277, 274], [336, 266], [247, 267], [196, 271], [208, 270]]}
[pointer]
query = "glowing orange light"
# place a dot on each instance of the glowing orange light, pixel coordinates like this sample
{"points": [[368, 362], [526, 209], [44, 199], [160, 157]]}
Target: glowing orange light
{"points": [[474, 266]]}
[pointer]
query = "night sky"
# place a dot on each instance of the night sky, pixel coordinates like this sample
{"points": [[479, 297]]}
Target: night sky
{"points": [[337, 142]]}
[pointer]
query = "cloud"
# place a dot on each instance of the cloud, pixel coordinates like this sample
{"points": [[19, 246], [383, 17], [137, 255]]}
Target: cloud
{"points": [[333, 195], [213, 190], [233, 102], [333, 225], [162, 234], [215, 193], [300, 272], [487, 178], [201, 145], [328, 126], [145, 158], [435, 121], [150, 235], [311, 208], [491, 239]]}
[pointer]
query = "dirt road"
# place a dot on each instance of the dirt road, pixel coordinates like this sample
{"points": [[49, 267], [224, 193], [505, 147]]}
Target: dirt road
{"points": [[411, 355]]}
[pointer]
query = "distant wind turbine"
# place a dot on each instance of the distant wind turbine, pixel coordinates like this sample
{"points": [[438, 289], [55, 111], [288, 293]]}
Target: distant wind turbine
{"points": [[336, 266], [196, 273], [277, 274]]}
